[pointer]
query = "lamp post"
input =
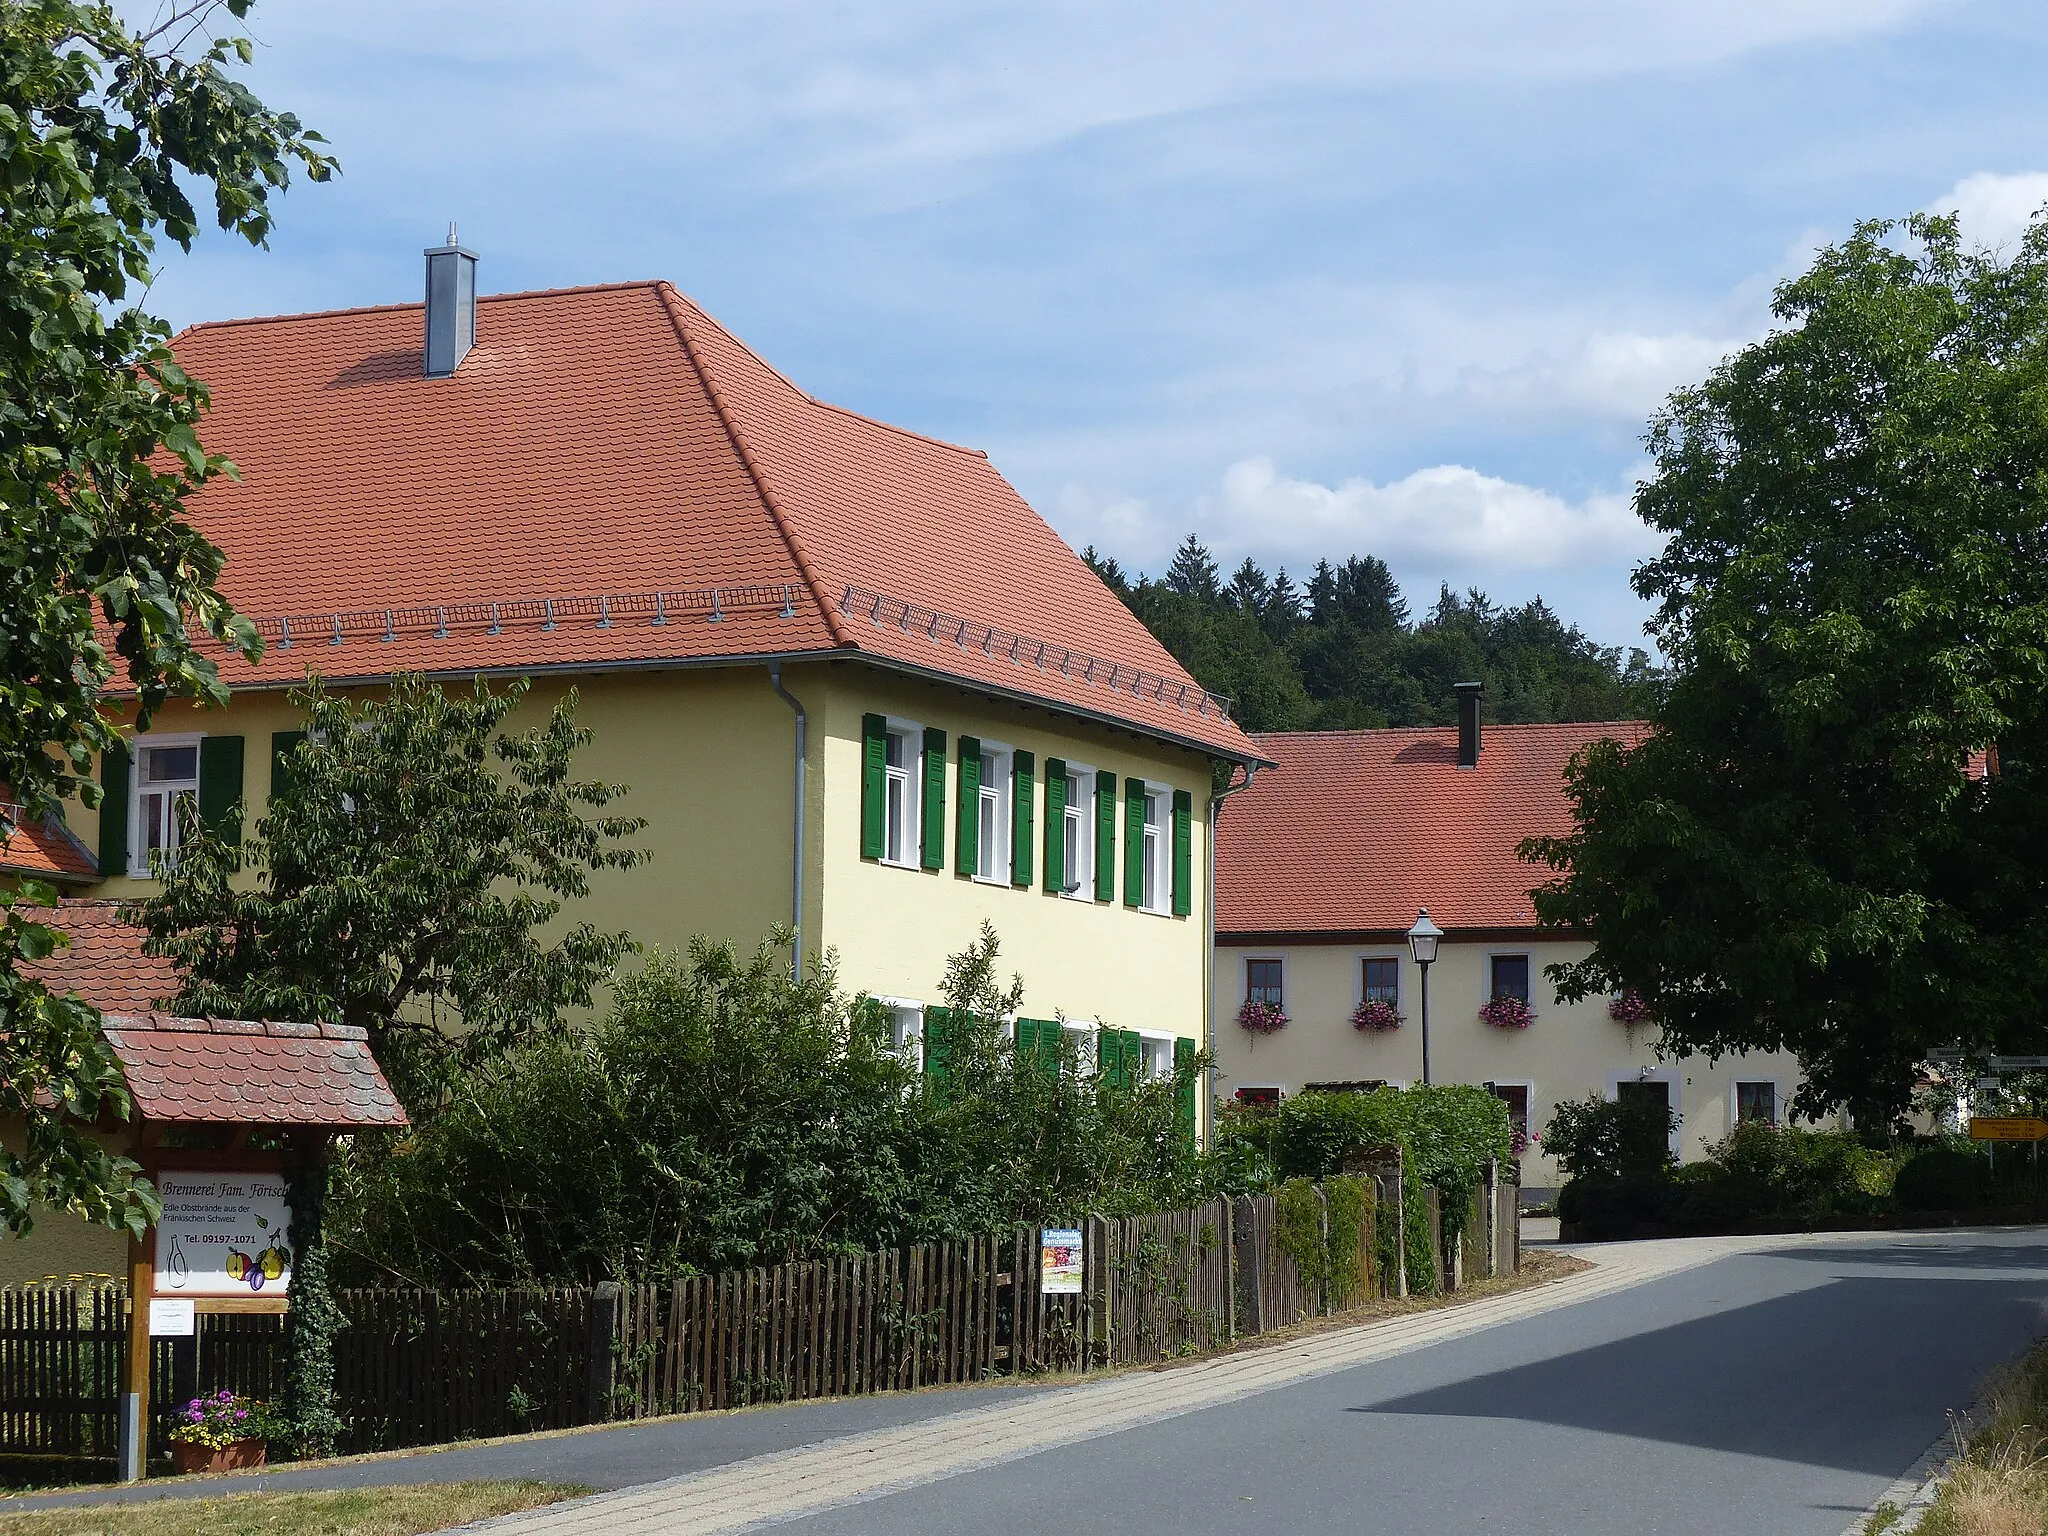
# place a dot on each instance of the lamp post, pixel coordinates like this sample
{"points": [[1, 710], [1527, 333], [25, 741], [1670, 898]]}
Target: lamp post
{"points": [[1422, 942]]}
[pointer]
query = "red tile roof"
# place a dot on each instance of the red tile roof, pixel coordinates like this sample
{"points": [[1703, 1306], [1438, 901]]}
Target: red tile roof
{"points": [[47, 850], [104, 962], [629, 484], [243, 1072], [1354, 831]]}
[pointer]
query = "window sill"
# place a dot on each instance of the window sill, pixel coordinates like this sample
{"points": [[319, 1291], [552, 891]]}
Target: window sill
{"points": [[898, 863], [1000, 882]]}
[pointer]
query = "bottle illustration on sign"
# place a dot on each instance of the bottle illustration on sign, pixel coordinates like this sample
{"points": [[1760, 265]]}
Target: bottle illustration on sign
{"points": [[176, 1266]]}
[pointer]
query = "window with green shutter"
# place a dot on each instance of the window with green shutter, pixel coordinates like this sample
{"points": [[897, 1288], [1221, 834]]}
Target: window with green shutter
{"points": [[938, 1042], [1055, 825], [220, 786], [283, 744], [1183, 1063], [874, 771], [967, 810], [114, 777], [1134, 842], [1183, 853], [1105, 836], [1023, 826], [934, 817]]}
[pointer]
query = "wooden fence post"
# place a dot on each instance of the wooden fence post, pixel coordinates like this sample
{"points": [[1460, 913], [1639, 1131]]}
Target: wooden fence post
{"points": [[601, 1351]]}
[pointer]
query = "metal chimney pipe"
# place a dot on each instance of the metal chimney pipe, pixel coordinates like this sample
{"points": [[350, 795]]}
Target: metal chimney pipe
{"points": [[1468, 722], [451, 307]]}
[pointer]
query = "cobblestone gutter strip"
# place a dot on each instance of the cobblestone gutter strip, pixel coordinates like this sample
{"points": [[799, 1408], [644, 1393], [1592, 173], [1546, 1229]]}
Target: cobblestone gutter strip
{"points": [[788, 1485]]}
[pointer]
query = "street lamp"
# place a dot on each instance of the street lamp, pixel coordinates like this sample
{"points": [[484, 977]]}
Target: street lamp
{"points": [[1422, 942]]}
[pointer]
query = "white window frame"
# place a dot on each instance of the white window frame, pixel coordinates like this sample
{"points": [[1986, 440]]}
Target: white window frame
{"points": [[1358, 975], [1084, 1033], [1735, 1100], [1156, 843], [911, 775], [1080, 870], [1672, 1077], [1528, 1087], [138, 853], [1002, 792], [906, 1030], [1151, 1041]]}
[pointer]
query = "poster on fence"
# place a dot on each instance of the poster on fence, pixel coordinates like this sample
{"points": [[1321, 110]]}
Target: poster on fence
{"points": [[1059, 1261], [223, 1234]]}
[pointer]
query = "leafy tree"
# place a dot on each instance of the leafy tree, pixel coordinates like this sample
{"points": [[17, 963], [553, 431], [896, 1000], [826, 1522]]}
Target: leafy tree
{"points": [[102, 133], [410, 853], [1836, 838]]}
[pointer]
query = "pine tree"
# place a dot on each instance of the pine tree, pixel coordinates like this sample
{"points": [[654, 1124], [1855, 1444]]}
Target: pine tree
{"points": [[1193, 573]]}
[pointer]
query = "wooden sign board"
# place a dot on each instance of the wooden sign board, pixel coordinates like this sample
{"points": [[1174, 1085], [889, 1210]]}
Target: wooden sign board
{"points": [[2007, 1128]]}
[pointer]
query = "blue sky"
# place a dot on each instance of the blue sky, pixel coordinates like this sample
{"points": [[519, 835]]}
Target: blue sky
{"points": [[1309, 280]]}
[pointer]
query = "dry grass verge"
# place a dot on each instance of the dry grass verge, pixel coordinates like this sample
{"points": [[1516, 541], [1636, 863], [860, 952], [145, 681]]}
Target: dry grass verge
{"points": [[406, 1510], [1998, 1483]]}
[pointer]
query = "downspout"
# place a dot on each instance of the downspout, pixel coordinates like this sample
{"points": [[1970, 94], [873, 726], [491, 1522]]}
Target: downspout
{"points": [[796, 858], [1209, 957]]}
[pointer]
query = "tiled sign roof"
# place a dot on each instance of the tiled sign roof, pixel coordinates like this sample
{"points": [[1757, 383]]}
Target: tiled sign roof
{"points": [[1354, 831], [611, 478], [244, 1072]]}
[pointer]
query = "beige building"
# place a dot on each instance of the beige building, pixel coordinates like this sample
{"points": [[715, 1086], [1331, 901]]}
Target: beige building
{"points": [[854, 683], [1327, 860]]}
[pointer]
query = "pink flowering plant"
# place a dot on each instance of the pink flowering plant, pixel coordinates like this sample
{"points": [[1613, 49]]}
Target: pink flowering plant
{"points": [[1261, 1018], [1629, 1008], [1507, 1012], [1375, 1015], [220, 1420]]}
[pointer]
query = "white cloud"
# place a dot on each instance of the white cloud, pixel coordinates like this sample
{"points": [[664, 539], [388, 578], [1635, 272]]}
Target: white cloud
{"points": [[1995, 209]]}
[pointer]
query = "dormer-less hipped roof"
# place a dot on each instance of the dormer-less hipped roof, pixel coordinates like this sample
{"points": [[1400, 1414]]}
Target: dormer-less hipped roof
{"points": [[1351, 833], [610, 479]]}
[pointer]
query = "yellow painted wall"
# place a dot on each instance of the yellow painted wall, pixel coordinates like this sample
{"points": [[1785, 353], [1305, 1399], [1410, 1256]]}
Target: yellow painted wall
{"points": [[708, 756], [893, 928], [1569, 1051], [61, 1246]]}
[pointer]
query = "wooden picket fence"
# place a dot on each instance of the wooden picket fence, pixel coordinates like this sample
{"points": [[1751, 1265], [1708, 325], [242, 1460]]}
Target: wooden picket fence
{"points": [[416, 1367]]}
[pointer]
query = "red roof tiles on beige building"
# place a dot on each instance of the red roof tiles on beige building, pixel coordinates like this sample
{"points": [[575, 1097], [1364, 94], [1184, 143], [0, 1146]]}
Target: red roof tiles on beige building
{"points": [[611, 468], [104, 962], [46, 850], [1351, 832]]}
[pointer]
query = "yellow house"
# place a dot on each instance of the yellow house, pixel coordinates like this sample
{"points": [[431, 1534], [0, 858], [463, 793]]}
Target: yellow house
{"points": [[1327, 861], [854, 682]]}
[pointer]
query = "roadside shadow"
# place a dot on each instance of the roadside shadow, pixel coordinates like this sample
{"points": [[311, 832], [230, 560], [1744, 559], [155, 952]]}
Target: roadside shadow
{"points": [[1935, 1251], [1857, 1374]]}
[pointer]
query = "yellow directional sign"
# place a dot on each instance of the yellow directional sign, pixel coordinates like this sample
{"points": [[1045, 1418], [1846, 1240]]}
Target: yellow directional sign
{"points": [[2007, 1128]]}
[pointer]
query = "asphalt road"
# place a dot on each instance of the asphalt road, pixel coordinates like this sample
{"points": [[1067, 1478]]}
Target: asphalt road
{"points": [[1777, 1391]]}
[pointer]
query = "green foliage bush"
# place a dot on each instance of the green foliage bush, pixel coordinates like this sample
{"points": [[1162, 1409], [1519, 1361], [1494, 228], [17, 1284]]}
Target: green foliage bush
{"points": [[723, 1115], [1619, 1138], [1447, 1135], [1943, 1178]]}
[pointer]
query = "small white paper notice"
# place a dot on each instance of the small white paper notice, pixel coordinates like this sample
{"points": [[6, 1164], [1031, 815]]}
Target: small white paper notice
{"points": [[172, 1317]]}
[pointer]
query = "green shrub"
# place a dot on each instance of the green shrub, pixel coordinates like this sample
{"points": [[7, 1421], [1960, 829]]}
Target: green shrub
{"points": [[1615, 1139], [1943, 1179]]}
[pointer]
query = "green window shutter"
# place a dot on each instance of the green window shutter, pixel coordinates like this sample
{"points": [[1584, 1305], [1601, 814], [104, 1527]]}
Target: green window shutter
{"points": [[1027, 1039], [1183, 1058], [1055, 825], [1134, 842], [115, 765], [1183, 853], [874, 765], [282, 745], [938, 1042], [1134, 1057], [1114, 1057], [932, 821], [220, 786], [1023, 795], [1038, 1042], [967, 826], [1105, 837]]}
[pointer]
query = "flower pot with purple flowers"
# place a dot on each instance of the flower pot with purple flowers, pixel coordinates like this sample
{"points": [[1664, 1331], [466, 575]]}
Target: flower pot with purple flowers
{"points": [[1507, 1012], [1261, 1018], [223, 1432], [1375, 1016]]}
